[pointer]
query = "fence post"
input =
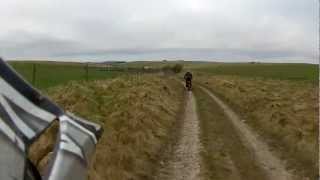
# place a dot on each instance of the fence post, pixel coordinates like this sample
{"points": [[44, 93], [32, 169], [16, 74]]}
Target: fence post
{"points": [[87, 71], [34, 71]]}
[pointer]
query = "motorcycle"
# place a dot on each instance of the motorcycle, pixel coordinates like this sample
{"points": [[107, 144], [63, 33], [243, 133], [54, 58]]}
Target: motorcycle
{"points": [[188, 85]]}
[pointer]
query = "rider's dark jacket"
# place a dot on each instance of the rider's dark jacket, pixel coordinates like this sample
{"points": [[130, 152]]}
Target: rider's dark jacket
{"points": [[188, 76]]}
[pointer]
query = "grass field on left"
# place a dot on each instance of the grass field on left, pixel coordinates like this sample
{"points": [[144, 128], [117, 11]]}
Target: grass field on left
{"points": [[49, 74], [138, 116]]}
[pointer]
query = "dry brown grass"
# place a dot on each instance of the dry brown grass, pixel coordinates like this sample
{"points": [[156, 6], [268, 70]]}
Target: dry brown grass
{"points": [[136, 114], [284, 112], [39, 151]]}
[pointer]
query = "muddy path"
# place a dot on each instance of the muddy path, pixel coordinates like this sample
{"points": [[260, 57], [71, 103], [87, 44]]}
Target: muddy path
{"points": [[184, 164], [273, 168]]}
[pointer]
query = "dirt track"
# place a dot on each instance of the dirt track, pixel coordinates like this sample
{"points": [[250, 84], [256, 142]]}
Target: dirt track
{"points": [[272, 166], [185, 161]]}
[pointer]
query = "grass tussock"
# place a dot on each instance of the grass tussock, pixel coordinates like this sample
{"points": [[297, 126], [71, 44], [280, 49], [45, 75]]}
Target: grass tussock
{"points": [[284, 112], [136, 114]]}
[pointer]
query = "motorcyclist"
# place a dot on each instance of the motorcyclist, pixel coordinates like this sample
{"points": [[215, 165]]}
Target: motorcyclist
{"points": [[188, 79]]}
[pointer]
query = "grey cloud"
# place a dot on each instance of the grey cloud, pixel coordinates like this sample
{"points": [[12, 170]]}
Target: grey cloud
{"points": [[22, 44], [169, 29]]}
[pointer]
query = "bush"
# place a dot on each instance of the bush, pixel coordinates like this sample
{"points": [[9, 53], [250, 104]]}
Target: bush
{"points": [[177, 68]]}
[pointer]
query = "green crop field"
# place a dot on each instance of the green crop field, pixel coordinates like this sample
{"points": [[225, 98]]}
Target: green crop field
{"points": [[51, 74], [309, 72]]}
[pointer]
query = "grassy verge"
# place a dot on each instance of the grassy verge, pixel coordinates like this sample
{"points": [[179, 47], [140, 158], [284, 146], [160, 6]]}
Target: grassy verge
{"points": [[285, 113], [137, 116], [225, 157]]}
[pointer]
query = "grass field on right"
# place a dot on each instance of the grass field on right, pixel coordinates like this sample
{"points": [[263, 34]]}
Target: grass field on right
{"points": [[283, 71], [279, 101]]}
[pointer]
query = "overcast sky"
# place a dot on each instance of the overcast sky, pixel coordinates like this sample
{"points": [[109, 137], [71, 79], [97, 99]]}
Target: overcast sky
{"points": [[223, 30]]}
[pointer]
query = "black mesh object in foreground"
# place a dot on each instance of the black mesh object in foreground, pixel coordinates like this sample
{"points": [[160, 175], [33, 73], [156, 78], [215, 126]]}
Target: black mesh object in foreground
{"points": [[24, 116]]}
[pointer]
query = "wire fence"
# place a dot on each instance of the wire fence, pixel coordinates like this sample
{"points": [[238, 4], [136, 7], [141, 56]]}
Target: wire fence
{"points": [[44, 75]]}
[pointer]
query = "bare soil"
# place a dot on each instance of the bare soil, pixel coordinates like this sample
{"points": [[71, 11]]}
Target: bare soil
{"points": [[185, 162]]}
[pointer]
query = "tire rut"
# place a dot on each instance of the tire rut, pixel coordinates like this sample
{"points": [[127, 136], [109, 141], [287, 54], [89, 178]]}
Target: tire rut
{"points": [[185, 161], [273, 167]]}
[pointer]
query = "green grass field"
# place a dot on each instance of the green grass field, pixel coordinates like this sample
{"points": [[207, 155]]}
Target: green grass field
{"points": [[160, 64], [282, 71], [52, 74], [309, 72]]}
